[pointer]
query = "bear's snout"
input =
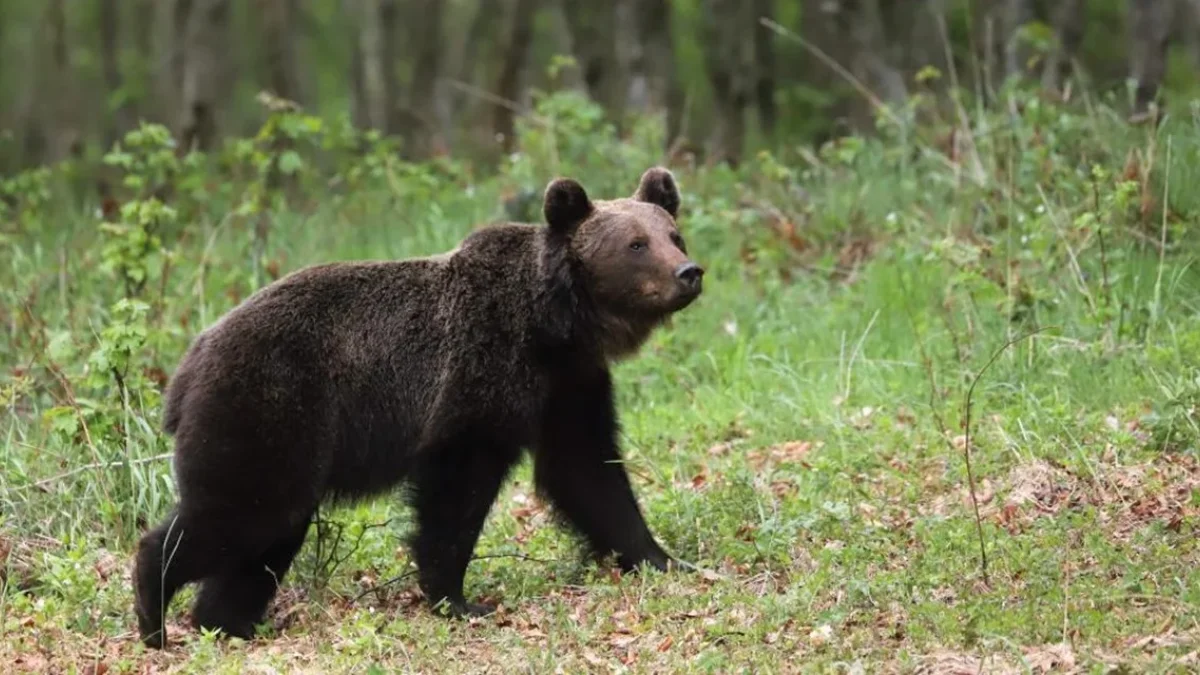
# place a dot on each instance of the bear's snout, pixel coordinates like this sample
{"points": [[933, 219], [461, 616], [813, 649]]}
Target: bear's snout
{"points": [[689, 275]]}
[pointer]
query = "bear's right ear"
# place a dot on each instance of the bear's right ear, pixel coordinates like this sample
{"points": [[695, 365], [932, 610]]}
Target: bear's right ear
{"points": [[567, 205]]}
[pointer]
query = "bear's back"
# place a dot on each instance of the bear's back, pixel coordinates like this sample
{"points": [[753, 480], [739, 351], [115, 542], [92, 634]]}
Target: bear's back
{"points": [[397, 337]]}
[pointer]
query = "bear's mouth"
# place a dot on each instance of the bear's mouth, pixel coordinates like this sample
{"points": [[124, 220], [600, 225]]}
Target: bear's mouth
{"points": [[683, 298]]}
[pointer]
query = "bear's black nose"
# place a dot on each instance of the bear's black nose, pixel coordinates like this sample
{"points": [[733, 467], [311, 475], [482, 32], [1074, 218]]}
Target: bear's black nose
{"points": [[689, 274]]}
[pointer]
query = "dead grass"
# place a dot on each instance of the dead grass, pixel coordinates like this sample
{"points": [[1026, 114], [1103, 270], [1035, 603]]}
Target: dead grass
{"points": [[1127, 497]]}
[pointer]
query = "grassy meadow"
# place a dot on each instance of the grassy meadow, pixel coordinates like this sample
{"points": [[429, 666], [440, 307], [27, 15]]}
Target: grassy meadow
{"points": [[801, 432]]}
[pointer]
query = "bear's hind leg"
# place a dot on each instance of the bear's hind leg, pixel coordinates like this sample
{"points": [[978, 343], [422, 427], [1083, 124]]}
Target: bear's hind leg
{"points": [[453, 491], [236, 601], [177, 551]]}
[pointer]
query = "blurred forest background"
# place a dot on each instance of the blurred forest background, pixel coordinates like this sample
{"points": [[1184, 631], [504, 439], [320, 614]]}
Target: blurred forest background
{"points": [[448, 76]]}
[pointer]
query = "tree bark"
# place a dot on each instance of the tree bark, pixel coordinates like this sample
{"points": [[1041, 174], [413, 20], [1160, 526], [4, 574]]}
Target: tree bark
{"points": [[389, 16], [203, 81], [593, 28], [116, 121], [871, 60], [360, 103], [373, 76], [729, 60], [65, 133], [181, 14], [764, 66], [914, 34], [278, 36], [515, 55], [146, 70], [1190, 27], [1069, 21], [419, 122], [467, 67], [653, 79], [1015, 14], [1150, 30], [675, 98], [632, 43]]}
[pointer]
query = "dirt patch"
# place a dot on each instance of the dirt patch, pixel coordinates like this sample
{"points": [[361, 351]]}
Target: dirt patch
{"points": [[1127, 497], [18, 557], [1058, 658]]}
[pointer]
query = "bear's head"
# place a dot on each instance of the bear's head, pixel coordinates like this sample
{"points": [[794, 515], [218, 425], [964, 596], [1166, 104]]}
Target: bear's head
{"points": [[627, 255]]}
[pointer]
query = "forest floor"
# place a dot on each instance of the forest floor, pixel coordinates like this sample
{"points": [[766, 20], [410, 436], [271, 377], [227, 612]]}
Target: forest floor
{"points": [[799, 433]]}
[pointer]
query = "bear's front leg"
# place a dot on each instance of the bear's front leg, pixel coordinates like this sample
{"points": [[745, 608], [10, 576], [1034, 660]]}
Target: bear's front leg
{"points": [[452, 491], [578, 468]]}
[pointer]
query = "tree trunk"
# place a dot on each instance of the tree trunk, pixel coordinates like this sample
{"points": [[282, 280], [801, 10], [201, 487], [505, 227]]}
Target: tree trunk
{"points": [[653, 80], [145, 13], [1190, 27], [508, 87], [857, 28], [593, 35], [462, 70], [360, 103], [1014, 15], [822, 26], [203, 78], [674, 94], [117, 121], [389, 49], [632, 43], [65, 133], [1069, 20], [1150, 29], [873, 61], [180, 18], [729, 60], [764, 67], [278, 36], [466, 68], [371, 71], [418, 122], [915, 34]]}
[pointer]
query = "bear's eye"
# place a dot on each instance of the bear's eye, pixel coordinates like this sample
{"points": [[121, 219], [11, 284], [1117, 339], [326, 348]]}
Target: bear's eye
{"points": [[637, 245], [677, 240]]}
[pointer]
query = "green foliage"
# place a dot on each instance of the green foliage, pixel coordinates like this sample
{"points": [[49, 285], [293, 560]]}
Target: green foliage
{"points": [[147, 156], [131, 243], [23, 200]]}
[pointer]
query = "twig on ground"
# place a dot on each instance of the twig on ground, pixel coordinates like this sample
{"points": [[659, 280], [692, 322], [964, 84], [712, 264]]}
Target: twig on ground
{"points": [[983, 561], [41, 484], [379, 587]]}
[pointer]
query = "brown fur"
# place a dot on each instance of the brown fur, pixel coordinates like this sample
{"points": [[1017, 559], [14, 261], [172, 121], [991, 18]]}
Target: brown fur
{"points": [[344, 380]]}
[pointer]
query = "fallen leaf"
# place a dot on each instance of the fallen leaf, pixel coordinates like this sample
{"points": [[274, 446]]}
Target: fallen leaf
{"points": [[821, 634]]}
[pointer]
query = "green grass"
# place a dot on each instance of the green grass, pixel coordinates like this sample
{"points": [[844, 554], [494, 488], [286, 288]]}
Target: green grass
{"points": [[798, 432]]}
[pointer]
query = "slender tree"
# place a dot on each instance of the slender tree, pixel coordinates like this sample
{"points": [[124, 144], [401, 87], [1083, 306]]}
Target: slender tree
{"points": [[419, 121], [594, 31], [516, 52], [1150, 30], [278, 19], [204, 83]]}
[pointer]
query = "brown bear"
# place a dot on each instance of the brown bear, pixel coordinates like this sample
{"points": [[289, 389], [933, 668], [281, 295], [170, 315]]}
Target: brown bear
{"points": [[344, 380]]}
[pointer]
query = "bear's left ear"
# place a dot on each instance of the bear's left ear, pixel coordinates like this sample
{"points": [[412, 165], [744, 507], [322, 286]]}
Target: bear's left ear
{"points": [[566, 205], [658, 187]]}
